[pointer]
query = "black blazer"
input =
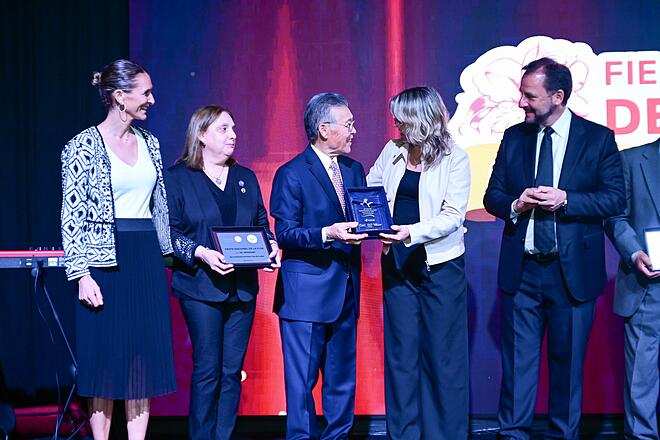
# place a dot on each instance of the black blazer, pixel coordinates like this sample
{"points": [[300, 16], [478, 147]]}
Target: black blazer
{"points": [[592, 177], [193, 211]]}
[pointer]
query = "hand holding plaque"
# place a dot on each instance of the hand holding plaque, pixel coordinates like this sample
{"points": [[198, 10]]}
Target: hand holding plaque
{"points": [[343, 231], [652, 238], [275, 257], [214, 260], [368, 207], [402, 233]]}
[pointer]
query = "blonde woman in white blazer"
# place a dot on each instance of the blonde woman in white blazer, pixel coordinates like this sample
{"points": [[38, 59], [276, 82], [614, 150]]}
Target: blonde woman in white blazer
{"points": [[427, 181]]}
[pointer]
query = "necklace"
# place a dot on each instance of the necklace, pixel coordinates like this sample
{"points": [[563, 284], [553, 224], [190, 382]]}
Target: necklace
{"points": [[219, 179]]}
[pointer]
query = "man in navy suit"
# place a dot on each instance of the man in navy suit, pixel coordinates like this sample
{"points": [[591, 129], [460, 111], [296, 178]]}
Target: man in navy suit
{"points": [[317, 294], [637, 296], [556, 178]]}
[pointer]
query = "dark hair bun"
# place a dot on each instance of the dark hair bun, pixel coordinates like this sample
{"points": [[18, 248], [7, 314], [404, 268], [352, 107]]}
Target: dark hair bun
{"points": [[118, 75]]}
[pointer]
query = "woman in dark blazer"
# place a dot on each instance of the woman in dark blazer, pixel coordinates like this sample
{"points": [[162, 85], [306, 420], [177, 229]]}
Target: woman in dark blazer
{"points": [[207, 188]]}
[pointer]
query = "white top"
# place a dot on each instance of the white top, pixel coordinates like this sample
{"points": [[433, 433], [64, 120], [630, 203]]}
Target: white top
{"points": [[132, 185], [443, 198], [559, 136]]}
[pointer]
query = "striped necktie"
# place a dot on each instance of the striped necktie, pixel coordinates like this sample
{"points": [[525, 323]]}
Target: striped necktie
{"points": [[338, 183]]}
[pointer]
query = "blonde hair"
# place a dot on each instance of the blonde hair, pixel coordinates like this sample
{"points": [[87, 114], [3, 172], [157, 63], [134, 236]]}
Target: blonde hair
{"points": [[199, 123], [422, 118]]}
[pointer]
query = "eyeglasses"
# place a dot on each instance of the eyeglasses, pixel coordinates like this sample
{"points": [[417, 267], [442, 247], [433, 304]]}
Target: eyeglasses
{"points": [[349, 125]]}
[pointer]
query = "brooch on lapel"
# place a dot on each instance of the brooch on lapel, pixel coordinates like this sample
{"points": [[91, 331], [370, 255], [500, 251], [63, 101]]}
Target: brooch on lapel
{"points": [[397, 158], [242, 185]]}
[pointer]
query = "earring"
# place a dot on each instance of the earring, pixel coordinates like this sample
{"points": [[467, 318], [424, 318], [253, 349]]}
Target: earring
{"points": [[122, 109]]}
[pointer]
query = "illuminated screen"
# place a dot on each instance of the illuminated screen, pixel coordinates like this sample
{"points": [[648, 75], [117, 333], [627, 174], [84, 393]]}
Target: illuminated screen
{"points": [[264, 59]]}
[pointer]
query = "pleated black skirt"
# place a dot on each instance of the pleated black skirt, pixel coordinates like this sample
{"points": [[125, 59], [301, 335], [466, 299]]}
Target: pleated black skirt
{"points": [[124, 348]]}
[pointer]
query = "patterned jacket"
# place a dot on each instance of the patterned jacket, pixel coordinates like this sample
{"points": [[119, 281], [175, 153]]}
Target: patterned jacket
{"points": [[88, 211]]}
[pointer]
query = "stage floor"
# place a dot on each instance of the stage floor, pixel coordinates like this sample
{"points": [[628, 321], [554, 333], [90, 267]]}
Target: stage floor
{"points": [[487, 436], [594, 427]]}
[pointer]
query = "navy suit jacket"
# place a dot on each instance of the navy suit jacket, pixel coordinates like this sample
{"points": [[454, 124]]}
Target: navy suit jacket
{"points": [[311, 285], [592, 177], [193, 211], [641, 171]]}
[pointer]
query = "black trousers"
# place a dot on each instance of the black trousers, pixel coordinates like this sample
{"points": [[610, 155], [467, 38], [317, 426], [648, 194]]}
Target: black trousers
{"points": [[426, 350], [219, 332], [542, 301]]}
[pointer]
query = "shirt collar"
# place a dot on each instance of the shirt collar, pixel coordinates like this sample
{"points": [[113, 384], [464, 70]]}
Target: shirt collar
{"points": [[325, 159], [563, 124]]}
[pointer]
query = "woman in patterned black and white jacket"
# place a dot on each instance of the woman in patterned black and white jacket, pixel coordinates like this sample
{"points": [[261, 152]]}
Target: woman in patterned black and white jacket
{"points": [[114, 229]]}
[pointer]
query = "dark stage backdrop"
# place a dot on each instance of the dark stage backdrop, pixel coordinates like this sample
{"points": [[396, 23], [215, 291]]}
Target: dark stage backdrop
{"points": [[48, 51], [264, 59]]}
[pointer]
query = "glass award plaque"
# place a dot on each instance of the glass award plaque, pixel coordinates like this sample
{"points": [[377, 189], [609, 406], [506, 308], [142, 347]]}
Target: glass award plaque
{"points": [[368, 207]]}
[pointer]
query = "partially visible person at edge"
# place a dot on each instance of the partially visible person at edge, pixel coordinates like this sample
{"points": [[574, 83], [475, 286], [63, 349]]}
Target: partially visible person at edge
{"points": [[637, 293], [114, 231], [427, 181], [207, 188]]}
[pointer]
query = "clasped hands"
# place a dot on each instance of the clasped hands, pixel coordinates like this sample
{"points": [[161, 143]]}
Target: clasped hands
{"points": [[547, 198]]}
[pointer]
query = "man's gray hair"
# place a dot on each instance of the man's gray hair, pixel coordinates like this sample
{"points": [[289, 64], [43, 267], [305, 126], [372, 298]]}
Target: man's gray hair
{"points": [[317, 111]]}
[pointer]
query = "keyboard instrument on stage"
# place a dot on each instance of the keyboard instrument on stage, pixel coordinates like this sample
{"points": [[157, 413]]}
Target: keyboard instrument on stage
{"points": [[16, 259]]}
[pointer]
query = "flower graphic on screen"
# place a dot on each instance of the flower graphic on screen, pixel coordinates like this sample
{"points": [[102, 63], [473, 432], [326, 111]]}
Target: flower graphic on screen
{"points": [[488, 104], [489, 101]]}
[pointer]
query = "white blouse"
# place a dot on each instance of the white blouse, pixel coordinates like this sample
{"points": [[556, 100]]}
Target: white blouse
{"points": [[132, 186]]}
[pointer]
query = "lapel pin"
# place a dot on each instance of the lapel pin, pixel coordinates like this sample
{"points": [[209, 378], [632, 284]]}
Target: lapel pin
{"points": [[397, 158], [241, 183]]}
